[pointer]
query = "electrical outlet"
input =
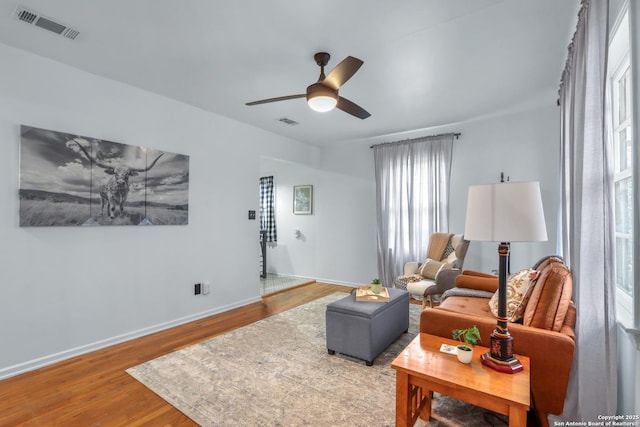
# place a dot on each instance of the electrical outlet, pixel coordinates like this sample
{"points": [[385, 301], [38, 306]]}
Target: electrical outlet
{"points": [[205, 287], [197, 289], [252, 214]]}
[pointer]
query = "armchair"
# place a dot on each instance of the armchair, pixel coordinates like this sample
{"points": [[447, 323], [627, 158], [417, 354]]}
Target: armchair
{"points": [[431, 278]]}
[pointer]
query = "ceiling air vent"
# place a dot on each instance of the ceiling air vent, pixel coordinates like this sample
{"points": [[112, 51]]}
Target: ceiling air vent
{"points": [[34, 18], [288, 121]]}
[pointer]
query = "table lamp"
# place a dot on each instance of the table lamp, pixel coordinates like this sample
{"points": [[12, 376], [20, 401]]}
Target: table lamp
{"points": [[504, 212]]}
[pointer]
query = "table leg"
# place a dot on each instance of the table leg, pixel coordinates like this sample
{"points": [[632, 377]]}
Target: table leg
{"points": [[517, 417], [425, 412], [403, 401]]}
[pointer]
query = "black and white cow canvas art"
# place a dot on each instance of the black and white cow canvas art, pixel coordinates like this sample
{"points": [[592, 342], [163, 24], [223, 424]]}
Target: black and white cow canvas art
{"points": [[72, 180]]}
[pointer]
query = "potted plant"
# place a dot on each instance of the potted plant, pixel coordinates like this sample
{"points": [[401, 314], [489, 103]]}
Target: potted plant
{"points": [[376, 287], [470, 338]]}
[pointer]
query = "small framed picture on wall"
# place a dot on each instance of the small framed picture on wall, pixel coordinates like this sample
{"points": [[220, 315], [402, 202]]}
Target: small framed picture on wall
{"points": [[302, 199]]}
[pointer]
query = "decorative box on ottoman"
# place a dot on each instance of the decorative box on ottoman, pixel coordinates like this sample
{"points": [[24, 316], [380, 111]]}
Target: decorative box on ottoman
{"points": [[364, 329]]}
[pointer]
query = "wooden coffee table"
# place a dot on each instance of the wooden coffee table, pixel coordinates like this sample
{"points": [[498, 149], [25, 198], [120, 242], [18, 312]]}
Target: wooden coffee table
{"points": [[422, 369]]}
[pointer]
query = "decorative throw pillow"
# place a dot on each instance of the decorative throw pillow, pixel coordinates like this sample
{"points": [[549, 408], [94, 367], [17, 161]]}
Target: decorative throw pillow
{"points": [[430, 268], [448, 250], [451, 258], [519, 288]]}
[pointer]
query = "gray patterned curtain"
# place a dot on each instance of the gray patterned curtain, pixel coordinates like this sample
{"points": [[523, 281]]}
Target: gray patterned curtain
{"points": [[267, 209]]}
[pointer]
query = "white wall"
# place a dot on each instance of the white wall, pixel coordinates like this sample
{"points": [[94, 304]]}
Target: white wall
{"points": [[66, 290]]}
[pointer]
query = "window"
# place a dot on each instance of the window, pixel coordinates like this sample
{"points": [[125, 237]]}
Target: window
{"points": [[623, 179], [620, 90]]}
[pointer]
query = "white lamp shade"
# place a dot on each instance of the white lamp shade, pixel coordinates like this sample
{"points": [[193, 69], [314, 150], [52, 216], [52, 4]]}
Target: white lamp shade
{"points": [[505, 212]]}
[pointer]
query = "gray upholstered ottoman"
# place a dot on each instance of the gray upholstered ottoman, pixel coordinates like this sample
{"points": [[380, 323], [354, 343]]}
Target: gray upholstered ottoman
{"points": [[365, 329]]}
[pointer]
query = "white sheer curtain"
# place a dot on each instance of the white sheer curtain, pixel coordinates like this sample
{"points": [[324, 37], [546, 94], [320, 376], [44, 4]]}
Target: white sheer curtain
{"points": [[412, 199], [587, 216]]}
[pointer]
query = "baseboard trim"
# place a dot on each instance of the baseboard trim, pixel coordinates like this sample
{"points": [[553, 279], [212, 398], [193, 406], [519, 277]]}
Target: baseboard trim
{"points": [[31, 365], [317, 279], [339, 282]]}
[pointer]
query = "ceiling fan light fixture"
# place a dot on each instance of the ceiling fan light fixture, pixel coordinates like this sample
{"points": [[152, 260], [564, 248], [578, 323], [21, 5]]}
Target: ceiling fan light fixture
{"points": [[321, 98], [322, 104], [322, 95]]}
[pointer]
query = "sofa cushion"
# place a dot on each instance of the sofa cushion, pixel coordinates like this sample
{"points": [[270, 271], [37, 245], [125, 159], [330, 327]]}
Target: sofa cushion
{"points": [[469, 305], [550, 299], [519, 288], [482, 282]]}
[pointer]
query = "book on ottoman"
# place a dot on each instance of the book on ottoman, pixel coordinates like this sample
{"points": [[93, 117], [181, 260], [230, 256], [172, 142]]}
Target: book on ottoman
{"points": [[364, 293]]}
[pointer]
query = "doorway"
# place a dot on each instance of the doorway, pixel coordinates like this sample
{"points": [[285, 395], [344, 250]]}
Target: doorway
{"points": [[270, 282]]}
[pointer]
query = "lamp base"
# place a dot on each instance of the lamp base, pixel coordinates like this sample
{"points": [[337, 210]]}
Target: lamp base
{"points": [[501, 356], [507, 366]]}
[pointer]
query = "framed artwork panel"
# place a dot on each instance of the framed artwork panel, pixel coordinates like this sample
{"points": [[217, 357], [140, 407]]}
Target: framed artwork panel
{"points": [[302, 199], [73, 180]]}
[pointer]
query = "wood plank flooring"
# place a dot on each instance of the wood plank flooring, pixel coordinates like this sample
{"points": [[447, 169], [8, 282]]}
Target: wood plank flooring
{"points": [[94, 389]]}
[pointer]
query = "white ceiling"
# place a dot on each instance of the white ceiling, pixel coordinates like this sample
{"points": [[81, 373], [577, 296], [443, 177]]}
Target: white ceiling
{"points": [[426, 62]]}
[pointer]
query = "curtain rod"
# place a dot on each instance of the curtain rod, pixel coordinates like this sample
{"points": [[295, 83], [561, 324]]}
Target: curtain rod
{"points": [[456, 134]]}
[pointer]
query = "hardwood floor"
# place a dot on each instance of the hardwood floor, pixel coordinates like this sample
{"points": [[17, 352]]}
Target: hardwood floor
{"points": [[94, 389]]}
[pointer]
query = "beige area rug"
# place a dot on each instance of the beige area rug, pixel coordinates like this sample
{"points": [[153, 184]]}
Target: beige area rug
{"points": [[277, 372]]}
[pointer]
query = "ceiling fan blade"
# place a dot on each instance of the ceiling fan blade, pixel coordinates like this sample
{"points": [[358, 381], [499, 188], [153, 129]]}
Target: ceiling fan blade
{"points": [[354, 109], [280, 98], [342, 72]]}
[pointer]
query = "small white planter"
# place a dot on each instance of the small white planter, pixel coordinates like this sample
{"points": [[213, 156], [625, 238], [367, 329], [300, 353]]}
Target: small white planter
{"points": [[465, 353]]}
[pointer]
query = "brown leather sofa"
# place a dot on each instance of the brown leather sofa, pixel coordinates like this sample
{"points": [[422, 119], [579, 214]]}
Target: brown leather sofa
{"points": [[546, 334]]}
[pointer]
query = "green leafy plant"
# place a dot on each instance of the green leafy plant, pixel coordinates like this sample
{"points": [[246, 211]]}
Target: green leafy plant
{"points": [[375, 286], [469, 336]]}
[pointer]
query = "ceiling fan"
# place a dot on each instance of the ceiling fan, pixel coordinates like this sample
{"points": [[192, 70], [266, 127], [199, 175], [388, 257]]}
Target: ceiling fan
{"points": [[323, 95]]}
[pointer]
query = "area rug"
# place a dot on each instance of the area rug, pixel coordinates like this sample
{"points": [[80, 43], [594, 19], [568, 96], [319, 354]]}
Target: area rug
{"points": [[277, 372]]}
